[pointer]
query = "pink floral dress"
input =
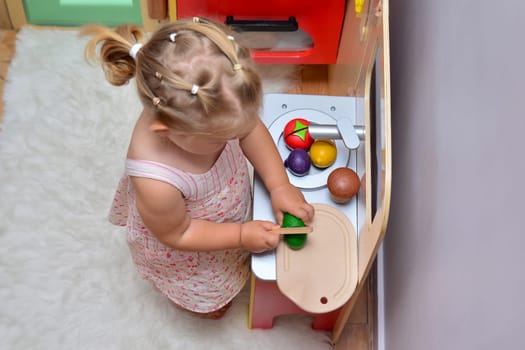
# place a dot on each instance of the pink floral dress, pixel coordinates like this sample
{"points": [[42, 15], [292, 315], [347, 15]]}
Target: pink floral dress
{"points": [[197, 281]]}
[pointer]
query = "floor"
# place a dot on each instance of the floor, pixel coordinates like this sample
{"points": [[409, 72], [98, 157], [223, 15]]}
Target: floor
{"points": [[359, 331], [7, 50]]}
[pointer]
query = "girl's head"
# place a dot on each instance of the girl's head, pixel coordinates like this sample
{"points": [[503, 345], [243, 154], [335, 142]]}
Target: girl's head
{"points": [[191, 74]]}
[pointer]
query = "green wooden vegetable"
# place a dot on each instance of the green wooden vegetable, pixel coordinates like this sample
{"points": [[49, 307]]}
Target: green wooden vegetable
{"points": [[294, 241]]}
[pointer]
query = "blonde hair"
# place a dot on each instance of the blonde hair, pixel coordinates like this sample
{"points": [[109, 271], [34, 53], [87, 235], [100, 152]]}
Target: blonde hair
{"points": [[191, 73]]}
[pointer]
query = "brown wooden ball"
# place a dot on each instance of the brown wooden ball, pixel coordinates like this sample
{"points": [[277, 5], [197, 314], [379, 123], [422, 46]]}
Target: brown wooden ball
{"points": [[343, 183]]}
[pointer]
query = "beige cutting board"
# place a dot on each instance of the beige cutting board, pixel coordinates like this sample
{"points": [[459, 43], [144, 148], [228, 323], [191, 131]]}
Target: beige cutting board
{"points": [[321, 276]]}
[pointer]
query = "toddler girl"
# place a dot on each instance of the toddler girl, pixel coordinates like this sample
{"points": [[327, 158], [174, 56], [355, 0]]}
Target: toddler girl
{"points": [[185, 196]]}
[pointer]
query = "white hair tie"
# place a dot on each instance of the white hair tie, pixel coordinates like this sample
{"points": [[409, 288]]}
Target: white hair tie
{"points": [[172, 37], [194, 89], [134, 49]]}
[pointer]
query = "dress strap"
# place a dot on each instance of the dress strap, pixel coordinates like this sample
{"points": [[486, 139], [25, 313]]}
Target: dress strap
{"points": [[193, 186], [158, 171]]}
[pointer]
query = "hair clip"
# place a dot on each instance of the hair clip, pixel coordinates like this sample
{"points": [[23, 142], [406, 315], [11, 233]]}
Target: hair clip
{"points": [[134, 49], [158, 75], [172, 37], [196, 20], [155, 101], [194, 89], [237, 66]]}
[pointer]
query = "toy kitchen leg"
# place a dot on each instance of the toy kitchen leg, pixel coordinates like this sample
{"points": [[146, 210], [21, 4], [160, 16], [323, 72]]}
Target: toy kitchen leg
{"points": [[267, 302], [275, 274]]}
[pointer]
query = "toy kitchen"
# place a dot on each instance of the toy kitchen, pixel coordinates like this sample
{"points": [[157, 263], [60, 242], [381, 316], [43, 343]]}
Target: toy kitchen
{"points": [[336, 150], [335, 147]]}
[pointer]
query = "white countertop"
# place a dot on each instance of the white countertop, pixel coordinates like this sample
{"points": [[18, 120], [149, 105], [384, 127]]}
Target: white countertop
{"points": [[278, 110]]}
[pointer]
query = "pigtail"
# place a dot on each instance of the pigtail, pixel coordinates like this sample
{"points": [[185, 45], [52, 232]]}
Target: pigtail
{"points": [[114, 54]]}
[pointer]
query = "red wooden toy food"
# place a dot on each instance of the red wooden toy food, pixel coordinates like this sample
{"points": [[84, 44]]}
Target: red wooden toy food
{"points": [[296, 134]]}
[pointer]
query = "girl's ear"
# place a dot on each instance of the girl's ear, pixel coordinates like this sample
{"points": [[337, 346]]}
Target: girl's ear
{"points": [[159, 128]]}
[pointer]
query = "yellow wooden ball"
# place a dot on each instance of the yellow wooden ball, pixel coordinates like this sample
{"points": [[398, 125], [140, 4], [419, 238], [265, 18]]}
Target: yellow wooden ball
{"points": [[323, 153]]}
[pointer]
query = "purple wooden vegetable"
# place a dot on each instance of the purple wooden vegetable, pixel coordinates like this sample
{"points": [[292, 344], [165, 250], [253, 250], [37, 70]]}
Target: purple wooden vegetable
{"points": [[298, 162]]}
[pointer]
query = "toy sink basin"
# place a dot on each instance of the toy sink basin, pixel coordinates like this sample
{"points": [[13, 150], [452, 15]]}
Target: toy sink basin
{"points": [[316, 178]]}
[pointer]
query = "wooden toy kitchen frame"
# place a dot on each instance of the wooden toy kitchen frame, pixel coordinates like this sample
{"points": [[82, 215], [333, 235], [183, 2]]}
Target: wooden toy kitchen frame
{"points": [[354, 41]]}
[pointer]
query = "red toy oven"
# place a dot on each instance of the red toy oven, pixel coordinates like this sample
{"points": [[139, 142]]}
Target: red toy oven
{"points": [[278, 31]]}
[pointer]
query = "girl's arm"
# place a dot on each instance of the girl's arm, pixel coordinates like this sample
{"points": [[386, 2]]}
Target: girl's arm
{"points": [[162, 209], [259, 148]]}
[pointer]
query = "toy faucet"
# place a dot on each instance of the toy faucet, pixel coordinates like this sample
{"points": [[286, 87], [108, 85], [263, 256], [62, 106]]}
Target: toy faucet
{"points": [[344, 129]]}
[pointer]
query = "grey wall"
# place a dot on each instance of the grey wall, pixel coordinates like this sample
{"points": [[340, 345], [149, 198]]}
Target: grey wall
{"points": [[454, 249]]}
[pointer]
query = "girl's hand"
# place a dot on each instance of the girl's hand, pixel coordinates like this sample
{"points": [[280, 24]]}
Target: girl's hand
{"points": [[258, 236], [287, 198]]}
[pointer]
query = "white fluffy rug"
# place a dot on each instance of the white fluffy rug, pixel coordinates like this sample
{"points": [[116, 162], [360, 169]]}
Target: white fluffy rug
{"points": [[66, 279]]}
